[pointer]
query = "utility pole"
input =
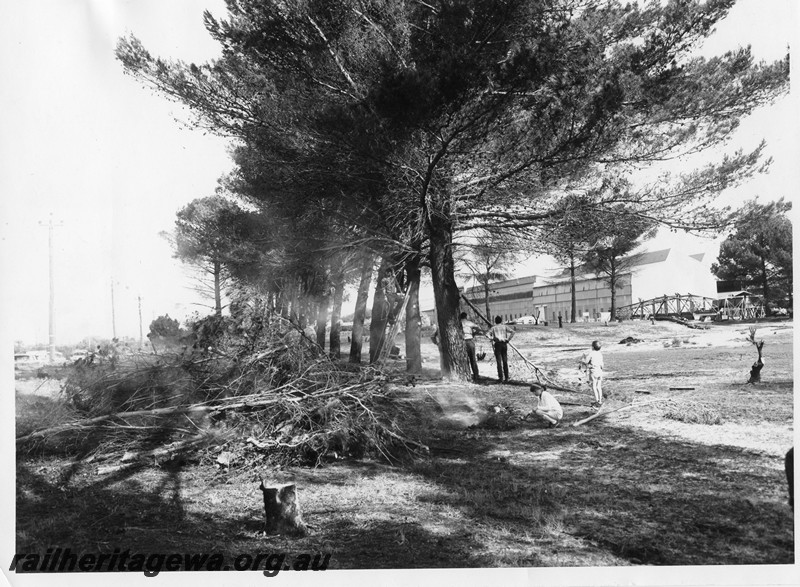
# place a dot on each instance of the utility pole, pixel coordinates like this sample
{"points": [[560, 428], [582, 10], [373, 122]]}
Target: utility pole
{"points": [[113, 314], [141, 338], [52, 313]]}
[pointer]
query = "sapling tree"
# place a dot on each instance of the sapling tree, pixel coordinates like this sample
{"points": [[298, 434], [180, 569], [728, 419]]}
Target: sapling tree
{"points": [[487, 259], [207, 234], [610, 259]]}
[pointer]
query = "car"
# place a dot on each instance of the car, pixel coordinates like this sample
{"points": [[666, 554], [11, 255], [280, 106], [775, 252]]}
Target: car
{"points": [[526, 320], [78, 355], [36, 359]]}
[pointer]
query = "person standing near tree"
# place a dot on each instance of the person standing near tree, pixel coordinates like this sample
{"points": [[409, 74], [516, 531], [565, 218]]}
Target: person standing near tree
{"points": [[501, 334], [470, 329], [593, 361]]}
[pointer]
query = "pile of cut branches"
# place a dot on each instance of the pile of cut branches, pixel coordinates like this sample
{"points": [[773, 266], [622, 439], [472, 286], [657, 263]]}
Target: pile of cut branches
{"points": [[272, 392]]}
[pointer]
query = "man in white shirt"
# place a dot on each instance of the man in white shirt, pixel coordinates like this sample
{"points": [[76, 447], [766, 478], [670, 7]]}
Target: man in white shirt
{"points": [[500, 335], [547, 407], [469, 328]]}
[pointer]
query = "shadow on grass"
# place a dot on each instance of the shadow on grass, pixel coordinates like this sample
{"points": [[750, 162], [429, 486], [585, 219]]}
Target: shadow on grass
{"points": [[545, 498], [142, 511], [641, 499], [594, 495]]}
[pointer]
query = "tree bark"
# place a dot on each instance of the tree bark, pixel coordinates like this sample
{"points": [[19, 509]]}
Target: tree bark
{"points": [[755, 370], [572, 290], [413, 323], [270, 309], [336, 315], [380, 314], [612, 282], [452, 352], [294, 309], [486, 298], [322, 319], [217, 292], [306, 309], [361, 309], [284, 299]]}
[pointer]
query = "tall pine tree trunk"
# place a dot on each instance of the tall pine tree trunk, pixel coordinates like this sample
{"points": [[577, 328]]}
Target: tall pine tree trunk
{"points": [[413, 322], [270, 303], [612, 281], [217, 288], [572, 291], [361, 308], [380, 314], [283, 299], [486, 298], [322, 318], [294, 309], [452, 352], [336, 314]]}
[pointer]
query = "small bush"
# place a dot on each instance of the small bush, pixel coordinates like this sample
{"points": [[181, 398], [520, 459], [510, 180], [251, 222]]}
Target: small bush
{"points": [[694, 415]]}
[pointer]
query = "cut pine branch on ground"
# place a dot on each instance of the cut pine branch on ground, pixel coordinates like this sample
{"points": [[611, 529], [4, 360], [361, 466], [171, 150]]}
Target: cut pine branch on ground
{"points": [[601, 413], [279, 390]]}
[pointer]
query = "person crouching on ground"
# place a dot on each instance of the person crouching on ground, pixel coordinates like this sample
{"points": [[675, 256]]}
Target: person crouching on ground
{"points": [[470, 329], [547, 407], [500, 335], [593, 361]]}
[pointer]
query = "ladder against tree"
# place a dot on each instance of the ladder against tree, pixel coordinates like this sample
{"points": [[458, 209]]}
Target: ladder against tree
{"points": [[386, 349]]}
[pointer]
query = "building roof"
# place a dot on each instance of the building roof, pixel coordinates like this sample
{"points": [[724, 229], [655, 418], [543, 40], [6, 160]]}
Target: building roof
{"points": [[649, 257], [529, 280], [738, 294], [635, 260]]}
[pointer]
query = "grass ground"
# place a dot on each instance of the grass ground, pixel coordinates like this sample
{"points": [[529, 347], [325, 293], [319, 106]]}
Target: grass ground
{"points": [[658, 484]]}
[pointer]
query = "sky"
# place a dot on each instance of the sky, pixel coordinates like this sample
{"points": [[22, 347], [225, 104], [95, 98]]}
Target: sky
{"points": [[111, 162]]}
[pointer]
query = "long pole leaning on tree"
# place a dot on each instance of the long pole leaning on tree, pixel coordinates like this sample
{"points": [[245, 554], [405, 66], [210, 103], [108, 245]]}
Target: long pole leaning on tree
{"points": [[536, 369], [113, 313]]}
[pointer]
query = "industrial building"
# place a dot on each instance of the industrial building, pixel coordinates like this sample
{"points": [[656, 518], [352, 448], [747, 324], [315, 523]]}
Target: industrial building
{"points": [[650, 275]]}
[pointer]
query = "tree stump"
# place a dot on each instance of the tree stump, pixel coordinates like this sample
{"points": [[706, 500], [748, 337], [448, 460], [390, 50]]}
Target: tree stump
{"points": [[755, 370], [282, 510]]}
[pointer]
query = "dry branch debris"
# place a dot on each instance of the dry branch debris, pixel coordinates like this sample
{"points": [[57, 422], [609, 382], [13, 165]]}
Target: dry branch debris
{"points": [[276, 396], [627, 407]]}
